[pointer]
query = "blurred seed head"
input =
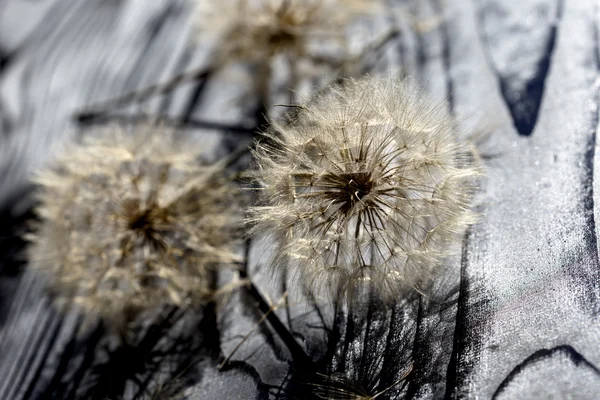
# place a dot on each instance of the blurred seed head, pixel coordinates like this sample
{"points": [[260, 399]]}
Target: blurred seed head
{"points": [[130, 221], [255, 30], [367, 186]]}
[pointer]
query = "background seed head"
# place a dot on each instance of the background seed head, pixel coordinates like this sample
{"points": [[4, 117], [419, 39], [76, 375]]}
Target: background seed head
{"points": [[255, 30], [368, 185], [130, 221]]}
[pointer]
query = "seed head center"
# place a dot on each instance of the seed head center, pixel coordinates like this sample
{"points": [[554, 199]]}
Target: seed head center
{"points": [[349, 188], [146, 223], [359, 185], [142, 221], [281, 39]]}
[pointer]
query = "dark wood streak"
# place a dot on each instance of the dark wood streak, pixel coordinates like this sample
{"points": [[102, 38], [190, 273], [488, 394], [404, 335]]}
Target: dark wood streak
{"points": [[55, 16], [583, 274], [38, 372], [418, 356], [34, 352], [467, 332], [574, 356], [438, 6], [40, 389], [153, 30], [525, 112], [182, 63], [591, 150], [5, 58], [102, 119], [524, 106], [88, 358], [194, 100], [432, 343]]}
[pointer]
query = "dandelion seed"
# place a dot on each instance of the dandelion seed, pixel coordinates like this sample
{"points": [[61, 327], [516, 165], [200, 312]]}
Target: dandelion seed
{"points": [[131, 221], [367, 186], [339, 387]]}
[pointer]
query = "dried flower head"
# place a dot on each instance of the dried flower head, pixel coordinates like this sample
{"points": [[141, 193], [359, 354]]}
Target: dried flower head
{"points": [[132, 220], [368, 183], [256, 30]]}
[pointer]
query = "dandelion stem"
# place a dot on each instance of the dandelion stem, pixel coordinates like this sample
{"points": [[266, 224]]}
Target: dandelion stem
{"points": [[301, 359], [94, 110], [101, 118], [235, 155], [383, 40], [236, 348]]}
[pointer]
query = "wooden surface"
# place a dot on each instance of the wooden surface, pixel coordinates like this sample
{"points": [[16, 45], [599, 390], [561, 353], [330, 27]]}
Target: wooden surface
{"points": [[516, 316]]}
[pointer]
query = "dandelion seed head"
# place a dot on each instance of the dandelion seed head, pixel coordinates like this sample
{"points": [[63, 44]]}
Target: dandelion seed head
{"points": [[130, 221], [368, 185], [256, 30]]}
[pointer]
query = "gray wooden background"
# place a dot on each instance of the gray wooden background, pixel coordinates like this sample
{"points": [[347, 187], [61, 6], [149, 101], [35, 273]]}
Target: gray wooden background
{"points": [[520, 316]]}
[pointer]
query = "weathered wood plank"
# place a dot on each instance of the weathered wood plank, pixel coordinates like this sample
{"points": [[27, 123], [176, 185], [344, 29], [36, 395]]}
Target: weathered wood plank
{"points": [[532, 268], [520, 312]]}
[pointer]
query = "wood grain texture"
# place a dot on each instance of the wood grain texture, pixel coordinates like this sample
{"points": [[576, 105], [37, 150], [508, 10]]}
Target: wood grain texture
{"points": [[515, 316]]}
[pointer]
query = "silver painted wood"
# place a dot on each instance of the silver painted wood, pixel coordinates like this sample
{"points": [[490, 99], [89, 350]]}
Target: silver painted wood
{"points": [[516, 316]]}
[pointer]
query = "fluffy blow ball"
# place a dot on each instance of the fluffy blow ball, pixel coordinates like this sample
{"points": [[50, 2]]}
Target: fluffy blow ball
{"points": [[368, 183], [256, 30], [130, 221]]}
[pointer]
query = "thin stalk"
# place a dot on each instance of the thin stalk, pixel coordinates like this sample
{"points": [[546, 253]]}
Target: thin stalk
{"points": [[94, 110], [236, 348], [101, 118], [301, 359]]}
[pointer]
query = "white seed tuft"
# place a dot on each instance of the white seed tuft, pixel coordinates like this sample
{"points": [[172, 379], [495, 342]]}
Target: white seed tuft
{"points": [[130, 221], [256, 30], [368, 184]]}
